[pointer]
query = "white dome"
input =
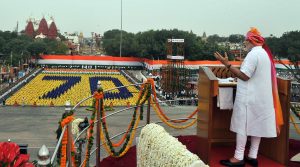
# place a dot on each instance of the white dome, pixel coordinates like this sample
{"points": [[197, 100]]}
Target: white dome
{"points": [[44, 157], [43, 151], [41, 35]]}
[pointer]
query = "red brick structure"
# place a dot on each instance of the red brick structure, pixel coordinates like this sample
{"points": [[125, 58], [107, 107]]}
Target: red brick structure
{"points": [[29, 30], [43, 27], [50, 31]]}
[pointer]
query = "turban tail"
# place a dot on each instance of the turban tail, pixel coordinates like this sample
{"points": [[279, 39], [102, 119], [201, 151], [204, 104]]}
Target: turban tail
{"points": [[276, 100]]}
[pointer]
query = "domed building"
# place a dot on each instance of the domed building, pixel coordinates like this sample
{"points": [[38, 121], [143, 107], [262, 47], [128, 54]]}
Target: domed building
{"points": [[45, 29], [29, 30], [52, 33]]}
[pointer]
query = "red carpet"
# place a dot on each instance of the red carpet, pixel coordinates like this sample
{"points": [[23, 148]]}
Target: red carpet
{"points": [[227, 152], [218, 153], [294, 149]]}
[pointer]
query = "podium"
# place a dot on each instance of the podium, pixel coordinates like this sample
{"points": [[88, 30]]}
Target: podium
{"points": [[213, 124]]}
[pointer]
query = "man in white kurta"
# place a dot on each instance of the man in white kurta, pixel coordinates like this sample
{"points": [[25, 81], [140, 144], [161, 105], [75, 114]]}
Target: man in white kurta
{"points": [[253, 111]]}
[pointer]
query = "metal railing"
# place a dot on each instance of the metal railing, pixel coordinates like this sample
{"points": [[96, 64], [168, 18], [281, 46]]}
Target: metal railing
{"points": [[68, 146], [58, 145], [98, 145]]}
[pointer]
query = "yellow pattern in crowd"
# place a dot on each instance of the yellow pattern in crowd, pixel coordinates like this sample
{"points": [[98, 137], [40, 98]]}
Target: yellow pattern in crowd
{"points": [[30, 93]]}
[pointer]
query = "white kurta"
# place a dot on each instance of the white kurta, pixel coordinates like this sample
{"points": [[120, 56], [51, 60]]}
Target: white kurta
{"points": [[253, 111]]}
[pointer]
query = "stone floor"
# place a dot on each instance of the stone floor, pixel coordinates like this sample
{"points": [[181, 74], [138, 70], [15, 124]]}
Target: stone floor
{"points": [[36, 126]]}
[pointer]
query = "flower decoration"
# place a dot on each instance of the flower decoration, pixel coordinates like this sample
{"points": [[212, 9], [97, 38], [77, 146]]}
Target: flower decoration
{"points": [[10, 156]]}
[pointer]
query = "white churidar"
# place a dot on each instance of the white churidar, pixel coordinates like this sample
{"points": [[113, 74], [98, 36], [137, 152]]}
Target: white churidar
{"points": [[241, 141]]}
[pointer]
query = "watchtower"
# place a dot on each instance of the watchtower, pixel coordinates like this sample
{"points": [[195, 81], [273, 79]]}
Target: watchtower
{"points": [[174, 74]]}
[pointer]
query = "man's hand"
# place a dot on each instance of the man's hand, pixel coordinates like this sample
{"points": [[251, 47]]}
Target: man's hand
{"points": [[237, 72], [222, 59]]}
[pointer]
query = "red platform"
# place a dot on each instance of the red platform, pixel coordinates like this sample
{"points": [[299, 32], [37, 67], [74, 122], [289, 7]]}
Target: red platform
{"points": [[218, 153]]}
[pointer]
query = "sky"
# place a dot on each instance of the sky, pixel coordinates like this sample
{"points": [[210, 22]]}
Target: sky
{"points": [[222, 17]]}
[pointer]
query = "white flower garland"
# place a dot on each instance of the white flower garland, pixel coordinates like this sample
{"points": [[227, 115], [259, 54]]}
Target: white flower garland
{"points": [[75, 128], [156, 148]]}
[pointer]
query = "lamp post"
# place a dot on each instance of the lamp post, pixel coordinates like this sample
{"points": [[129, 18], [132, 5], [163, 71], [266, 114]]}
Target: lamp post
{"points": [[100, 103], [121, 29]]}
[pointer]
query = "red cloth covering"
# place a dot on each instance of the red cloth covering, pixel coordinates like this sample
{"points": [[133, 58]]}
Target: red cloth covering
{"points": [[294, 148], [10, 154], [191, 142]]}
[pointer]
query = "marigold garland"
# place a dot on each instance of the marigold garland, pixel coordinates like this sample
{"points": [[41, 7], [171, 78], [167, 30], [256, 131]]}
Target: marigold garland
{"points": [[161, 114], [295, 125], [90, 138], [127, 138], [73, 153], [59, 131], [127, 146], [109, 146], [63, 155], [122, 139], [167, 121], [63, 159], [167, 118], [124, 136]]}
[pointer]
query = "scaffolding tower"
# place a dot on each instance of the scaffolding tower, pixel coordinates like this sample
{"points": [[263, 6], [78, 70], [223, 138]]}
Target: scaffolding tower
{"points": [[174, 75]]}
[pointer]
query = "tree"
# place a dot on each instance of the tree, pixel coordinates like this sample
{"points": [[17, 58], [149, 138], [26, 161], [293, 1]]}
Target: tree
{"points": [[61, 48], [15, 48], [236, 38], [150, 44], [130, 45], [287, 46], [111, 42], [216, 39], [7, 35], [55, 47], [36, 48], [2, 43], [275, 46], [22, 47], [290, 42]]}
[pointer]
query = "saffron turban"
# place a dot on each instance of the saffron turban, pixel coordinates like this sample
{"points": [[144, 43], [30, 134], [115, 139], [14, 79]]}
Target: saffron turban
{"points": [[254, 37]]}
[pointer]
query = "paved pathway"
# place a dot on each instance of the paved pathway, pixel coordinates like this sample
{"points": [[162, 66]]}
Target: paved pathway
{"points": [[37, 125]]}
